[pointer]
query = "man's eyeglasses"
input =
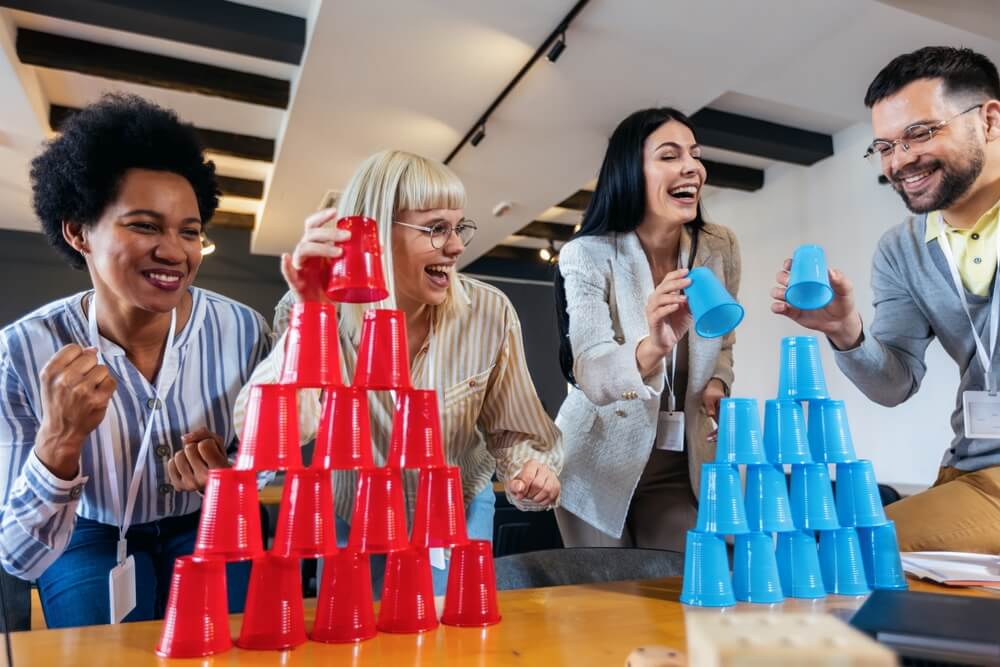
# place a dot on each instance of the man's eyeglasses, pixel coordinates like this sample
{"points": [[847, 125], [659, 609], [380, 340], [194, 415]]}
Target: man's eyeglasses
{"points": [[440, 232], [919, 133]]}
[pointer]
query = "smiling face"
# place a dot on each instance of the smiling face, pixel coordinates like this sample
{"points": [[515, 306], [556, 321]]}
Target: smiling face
{"points": [[421, 272], [939, 173], [673, 172], [145, 249]]}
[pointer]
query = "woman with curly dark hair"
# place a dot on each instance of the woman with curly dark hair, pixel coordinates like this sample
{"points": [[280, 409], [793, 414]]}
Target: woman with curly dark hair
{"points": [[115, 402]]}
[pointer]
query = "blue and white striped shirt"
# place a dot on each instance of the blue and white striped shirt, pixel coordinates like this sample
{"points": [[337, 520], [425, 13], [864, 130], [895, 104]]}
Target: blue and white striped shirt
{"points": [[217, 350]]}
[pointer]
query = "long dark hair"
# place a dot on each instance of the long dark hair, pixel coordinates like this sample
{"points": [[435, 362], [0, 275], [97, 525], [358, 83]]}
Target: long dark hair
{"points": [[619, 202]]}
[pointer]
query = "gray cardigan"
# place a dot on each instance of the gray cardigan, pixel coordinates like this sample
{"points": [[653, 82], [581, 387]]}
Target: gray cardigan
{"points": [[915, 300], [609, 421]]}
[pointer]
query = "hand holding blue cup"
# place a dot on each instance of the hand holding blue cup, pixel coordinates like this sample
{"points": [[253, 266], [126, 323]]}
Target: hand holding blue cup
{"points": [[809, 280], [713, 309]]}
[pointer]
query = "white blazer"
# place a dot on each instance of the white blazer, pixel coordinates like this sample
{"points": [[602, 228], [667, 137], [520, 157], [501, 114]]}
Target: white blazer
{"points": [[609, 421]]}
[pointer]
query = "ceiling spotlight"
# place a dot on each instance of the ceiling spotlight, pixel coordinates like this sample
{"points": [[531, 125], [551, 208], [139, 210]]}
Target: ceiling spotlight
{"points": [[479, 135], [207, 245], [576, 227], [549, 253], [557, 48], [545, 254]]}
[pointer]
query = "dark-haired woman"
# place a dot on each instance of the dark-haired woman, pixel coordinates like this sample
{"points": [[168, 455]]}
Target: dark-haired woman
{"points": [[115, 402], [637, 420]]}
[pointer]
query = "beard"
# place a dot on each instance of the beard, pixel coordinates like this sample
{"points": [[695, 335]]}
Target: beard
{"points": [[956, 179]]}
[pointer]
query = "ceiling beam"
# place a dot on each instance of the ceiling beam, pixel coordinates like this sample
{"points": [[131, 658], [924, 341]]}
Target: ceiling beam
{"points": [[510, 262], [230, 219], [552, 231], [228, 26], [742, 134], [224, 143], [111, 62], [240, 187]]}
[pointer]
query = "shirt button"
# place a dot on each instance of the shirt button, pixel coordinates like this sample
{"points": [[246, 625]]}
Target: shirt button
{"points": [[975, 236], [164, 489], [626, 395], [620, 413], [978, 260], [153, 403], [162, 451], [472, 383], [76, 492]]}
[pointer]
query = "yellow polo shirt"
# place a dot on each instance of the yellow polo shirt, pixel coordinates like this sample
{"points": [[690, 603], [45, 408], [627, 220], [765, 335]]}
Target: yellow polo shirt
{"points": [[975, 249]]}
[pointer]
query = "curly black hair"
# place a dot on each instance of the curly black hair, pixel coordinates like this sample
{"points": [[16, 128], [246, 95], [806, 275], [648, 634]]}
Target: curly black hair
{"points": [[79, 172]]}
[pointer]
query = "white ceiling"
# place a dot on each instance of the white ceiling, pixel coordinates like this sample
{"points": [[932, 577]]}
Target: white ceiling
{"points": [[415, 74]]}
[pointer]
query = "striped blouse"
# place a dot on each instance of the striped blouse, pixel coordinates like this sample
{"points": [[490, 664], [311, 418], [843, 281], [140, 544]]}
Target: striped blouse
{"points": [[492, 417], [218, 348]]}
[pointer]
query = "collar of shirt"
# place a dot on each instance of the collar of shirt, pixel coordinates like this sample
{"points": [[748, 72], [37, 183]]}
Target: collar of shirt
{"points": [[935, 220]]}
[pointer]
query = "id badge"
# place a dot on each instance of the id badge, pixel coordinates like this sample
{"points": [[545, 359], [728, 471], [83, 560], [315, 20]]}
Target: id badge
{"points": [[121, 589], [670, 431], [982, 415]]}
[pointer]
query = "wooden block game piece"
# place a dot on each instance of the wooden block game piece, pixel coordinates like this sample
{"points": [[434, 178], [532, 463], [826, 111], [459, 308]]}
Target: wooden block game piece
{"points": [[772, 639]]}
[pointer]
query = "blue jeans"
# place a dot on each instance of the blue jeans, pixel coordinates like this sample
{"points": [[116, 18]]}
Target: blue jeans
{"points": [[478, 524], [74, 590]]}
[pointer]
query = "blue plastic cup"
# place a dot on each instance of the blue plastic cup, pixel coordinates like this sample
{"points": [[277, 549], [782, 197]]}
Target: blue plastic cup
{"points": [[785, 438], [808, 281], [798, 566], [720, 508], [813, 507], [766, 501], [755, 570], [800, 374], [858, 499], [739, 432], [880, 555], [713, 309], [706, 572], [829, 433], [841, 563]]}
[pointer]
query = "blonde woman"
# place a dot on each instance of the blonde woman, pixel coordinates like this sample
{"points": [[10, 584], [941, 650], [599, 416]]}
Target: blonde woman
{"points": [[492, 417]]}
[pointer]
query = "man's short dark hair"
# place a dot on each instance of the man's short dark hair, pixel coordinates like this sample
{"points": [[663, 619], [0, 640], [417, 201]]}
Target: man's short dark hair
{"points": [[963, 71], [79, 172]]}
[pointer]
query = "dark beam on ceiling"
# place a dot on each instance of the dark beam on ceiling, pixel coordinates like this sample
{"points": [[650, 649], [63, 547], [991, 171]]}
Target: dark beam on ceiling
{"points": [[577, 201], [733, 176], [510, 262], [230, 219], [742, 134], [111, 62], [224, 143], [240, 187], [228, 26], [552, 231]]}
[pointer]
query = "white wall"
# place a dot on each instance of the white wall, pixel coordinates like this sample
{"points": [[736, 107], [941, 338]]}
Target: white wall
{"points": [[838, 204]]}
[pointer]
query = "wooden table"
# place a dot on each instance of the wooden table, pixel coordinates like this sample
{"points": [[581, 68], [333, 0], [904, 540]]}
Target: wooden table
{"points": [[596, 624]]}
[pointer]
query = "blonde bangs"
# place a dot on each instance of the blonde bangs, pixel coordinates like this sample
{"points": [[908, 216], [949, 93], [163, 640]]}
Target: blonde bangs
{"points": [[426, 184]]}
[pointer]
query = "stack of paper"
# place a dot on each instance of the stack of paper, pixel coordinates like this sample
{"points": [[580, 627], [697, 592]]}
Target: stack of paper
{"points": [[954, 568]]}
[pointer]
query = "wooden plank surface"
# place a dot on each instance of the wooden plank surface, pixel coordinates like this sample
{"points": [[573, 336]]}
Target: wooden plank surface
{"points": [[589, 625]]}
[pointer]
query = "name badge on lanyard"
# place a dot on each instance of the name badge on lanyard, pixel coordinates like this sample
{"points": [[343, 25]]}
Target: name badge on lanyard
{"points": [[670, 425], [121, 578], [980, 409]]}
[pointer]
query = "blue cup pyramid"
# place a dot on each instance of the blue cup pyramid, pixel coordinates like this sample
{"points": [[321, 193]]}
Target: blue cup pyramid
{"points": [[809, 542]]}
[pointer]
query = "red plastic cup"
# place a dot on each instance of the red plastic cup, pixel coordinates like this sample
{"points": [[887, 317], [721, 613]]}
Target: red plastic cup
{"points": [[344, 439], [305, 526], [383, 355], [230, 516], [471, 598], [378, 524], [274, 618], [439, 518], [196, 623], [312, 352], [357, 276], [270, 438], [344, 610], [416, 431], [408, 593]]}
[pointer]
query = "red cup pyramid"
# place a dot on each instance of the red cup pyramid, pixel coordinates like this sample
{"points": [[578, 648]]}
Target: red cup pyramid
{"points": [[230, 522]]}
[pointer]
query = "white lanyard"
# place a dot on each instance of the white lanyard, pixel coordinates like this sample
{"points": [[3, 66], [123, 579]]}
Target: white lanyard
{"points": [[165, 377], [669, 379], [985, 358]]}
